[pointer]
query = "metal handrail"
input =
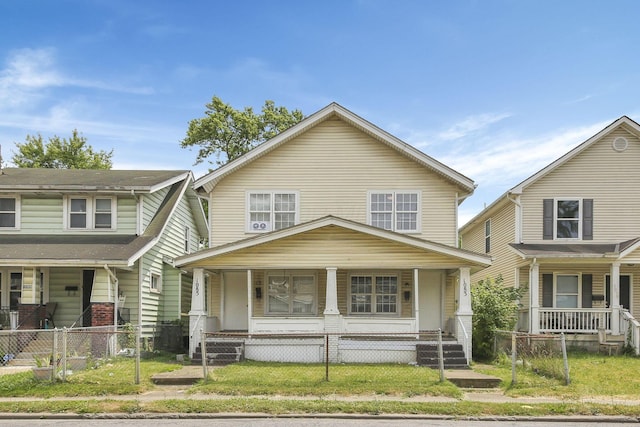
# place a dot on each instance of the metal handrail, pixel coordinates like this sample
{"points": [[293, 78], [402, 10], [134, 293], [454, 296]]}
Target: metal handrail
{"points": [[466, 341], [80, 317]]}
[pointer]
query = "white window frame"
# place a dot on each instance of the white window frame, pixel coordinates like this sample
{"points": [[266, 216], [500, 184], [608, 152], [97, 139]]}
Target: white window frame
{"points": [[556, 293], [16, 212], [257, 226], [91, 212], [556, 219], [187, 239], [157, 288], [374, 312], [290, 277], [487, 236], [394, 212]]}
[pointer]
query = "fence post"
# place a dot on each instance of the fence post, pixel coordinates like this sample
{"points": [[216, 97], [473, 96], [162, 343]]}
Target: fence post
{"points": [[440, 356], [54, 355], [138, 338], [564, 359], [514, 358], [203, 346], [64, 353], [326, 357]]}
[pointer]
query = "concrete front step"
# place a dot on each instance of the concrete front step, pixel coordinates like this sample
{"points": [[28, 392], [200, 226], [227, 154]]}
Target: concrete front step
{"points": [[467, 378]]}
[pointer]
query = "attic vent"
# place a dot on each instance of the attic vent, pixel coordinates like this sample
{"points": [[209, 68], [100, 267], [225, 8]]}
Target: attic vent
{"points": [[620, 144]]}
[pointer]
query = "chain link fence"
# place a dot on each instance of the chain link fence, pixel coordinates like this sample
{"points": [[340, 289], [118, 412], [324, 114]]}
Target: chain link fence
{"points": [[319, 356], [544, 354], [57, 354]]}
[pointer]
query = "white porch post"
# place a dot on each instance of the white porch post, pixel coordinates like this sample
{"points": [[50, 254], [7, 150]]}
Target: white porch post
{"points": [[465, 313], [534, 297], [197, 314], [416, 306], [249, 300], [614, 297], [331, 313]]}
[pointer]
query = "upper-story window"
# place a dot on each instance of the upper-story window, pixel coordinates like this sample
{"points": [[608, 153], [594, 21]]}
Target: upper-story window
{"points": [[568, 218], [395, 210], [271, 210], [487, 236], [155, 282], [9, 212], [90, 213], [187, 239]]}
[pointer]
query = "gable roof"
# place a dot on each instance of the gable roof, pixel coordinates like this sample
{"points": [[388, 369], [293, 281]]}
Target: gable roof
{"points": [[623, 122], [464, 256], [44, 179], [209, 181]]}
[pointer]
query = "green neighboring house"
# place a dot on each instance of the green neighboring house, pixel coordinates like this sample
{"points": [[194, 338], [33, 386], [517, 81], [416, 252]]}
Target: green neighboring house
{"points": [[96, 247]]}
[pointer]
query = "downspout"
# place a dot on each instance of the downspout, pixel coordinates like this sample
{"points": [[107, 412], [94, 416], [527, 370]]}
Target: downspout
{"points": [[138, 212], [115, 298], [457, 241]]}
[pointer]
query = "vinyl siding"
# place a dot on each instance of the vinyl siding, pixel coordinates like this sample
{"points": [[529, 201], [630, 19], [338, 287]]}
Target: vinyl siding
{"points": [[333, 166], [69, 306], [599, 173]]}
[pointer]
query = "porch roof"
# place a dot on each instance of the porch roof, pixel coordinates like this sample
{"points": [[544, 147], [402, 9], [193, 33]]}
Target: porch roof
{"points": [[573, 250], [334, 242]]}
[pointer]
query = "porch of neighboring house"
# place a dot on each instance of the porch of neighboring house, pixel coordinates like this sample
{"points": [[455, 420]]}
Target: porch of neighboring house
{"points": [[581, 299], [55, 297], [345, 315]]}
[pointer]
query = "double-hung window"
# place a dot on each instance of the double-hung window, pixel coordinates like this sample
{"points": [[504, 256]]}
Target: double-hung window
{"points": [[567, 291], [89, 213], [568, 219], [374, 294], [155, 282], [271, 210], [395, 210], [291, 294], [8, 212], [487, 236]]}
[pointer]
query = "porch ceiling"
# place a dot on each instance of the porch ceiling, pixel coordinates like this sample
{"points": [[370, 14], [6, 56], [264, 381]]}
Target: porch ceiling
{"points": [[334, 245]]}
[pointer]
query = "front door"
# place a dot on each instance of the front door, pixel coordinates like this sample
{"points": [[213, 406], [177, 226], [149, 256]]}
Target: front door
{"points": [[87, 288], [625, 291], [236, 306], [430, 300]]}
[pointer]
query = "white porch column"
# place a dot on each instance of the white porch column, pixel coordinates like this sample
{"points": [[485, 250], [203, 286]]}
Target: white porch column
{"points": [[614, 298], [332, 324], [249, 300], [416, 306], [534, 297], [464, 315], [197, 314]]}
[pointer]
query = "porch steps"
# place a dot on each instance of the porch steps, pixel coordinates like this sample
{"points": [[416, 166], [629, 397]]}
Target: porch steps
{"points": [[220, 352], [453, 353], [40, 346]]}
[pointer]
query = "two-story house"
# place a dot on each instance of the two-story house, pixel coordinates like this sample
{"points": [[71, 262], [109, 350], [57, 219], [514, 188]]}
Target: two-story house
{"points": [[334, 226], [94, 247], [571, 233]]}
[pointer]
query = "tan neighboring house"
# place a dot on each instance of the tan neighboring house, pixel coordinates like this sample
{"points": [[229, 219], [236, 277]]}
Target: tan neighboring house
{"points": [[333, 226], [96, 247], [571, 234]]}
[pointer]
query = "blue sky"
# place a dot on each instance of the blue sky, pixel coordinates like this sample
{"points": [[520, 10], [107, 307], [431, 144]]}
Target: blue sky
{"points": [[495, 89]]}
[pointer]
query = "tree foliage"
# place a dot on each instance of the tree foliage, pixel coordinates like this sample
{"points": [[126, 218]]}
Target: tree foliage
{"points": [[228, 133], [60, 153], [495, 308]]}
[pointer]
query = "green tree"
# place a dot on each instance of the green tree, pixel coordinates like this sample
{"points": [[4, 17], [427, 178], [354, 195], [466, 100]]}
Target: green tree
{"points": [[495, 308], [60, 153], [228, 133]]}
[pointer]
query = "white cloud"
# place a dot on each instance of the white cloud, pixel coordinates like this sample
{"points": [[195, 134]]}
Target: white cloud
{"points": [[470, 125]]}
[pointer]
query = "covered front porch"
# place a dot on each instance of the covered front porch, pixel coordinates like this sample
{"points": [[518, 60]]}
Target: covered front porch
{"points": [[581, 289], [332, 277]]}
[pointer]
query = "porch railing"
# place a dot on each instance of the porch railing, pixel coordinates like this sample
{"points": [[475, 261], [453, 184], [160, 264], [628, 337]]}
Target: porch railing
{"points": [[574, 319], [630, 328]]}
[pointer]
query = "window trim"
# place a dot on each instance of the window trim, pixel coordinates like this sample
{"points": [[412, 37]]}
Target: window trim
{"points": [[487, 236], [271, 193], [556, 219], [16, 211], [394, 213], [158, 288], [91, 212], [373, 275], [291, 275], [187, 239], [555, 289]]}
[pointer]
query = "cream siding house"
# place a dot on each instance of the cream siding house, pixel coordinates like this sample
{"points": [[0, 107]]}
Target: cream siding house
{"points": [[98, 245], [333, 226], [571, 233]]}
